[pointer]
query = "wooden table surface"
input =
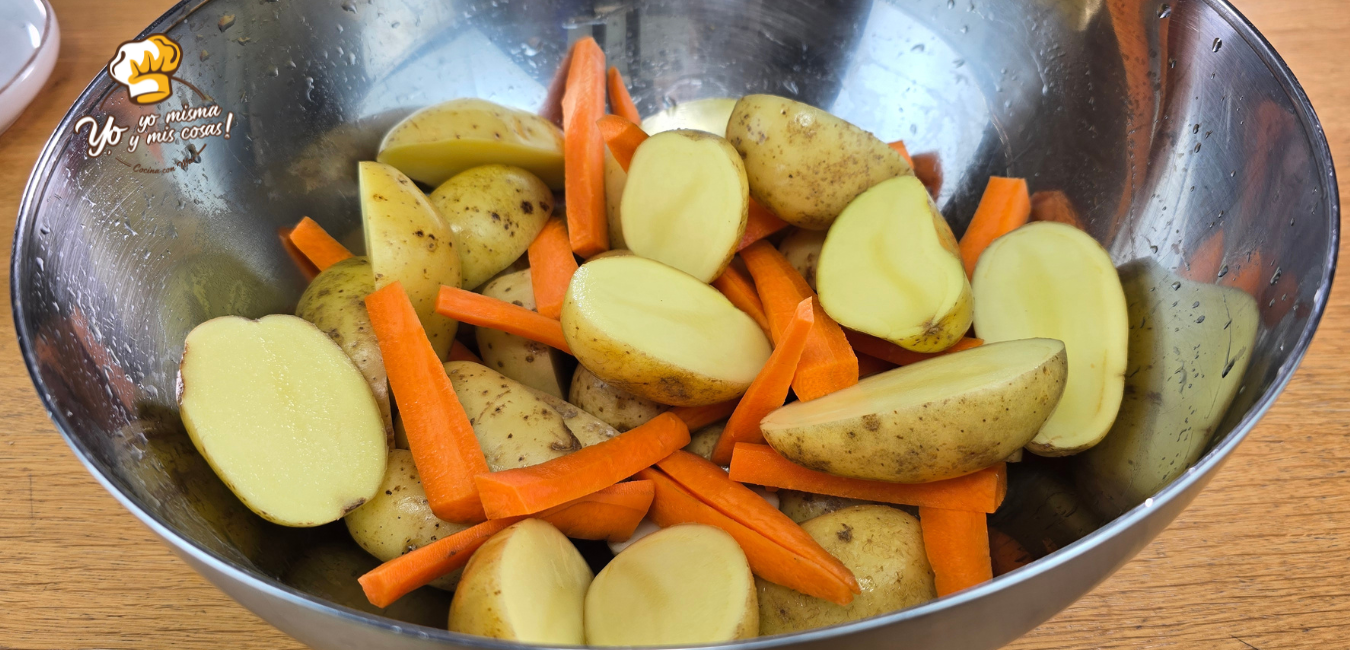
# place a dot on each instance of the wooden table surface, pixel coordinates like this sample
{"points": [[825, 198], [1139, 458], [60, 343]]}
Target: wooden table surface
{"points": [[1260, 561]]}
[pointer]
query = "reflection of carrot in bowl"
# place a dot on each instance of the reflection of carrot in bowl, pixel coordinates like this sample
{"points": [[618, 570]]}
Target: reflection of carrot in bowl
{"points": [[1054, 205]]}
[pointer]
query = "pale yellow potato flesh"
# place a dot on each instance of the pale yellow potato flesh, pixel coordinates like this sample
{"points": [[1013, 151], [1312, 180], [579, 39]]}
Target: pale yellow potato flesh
{"points": [[529, 362], [283, 416], [659, 333], [683, 585], [685, 202], [615, 181], [937, 419], [408, 242], [889, 269], [801, 248], [495, 212], [527, 583], [710, 114], [1052, 280], [437, 142]]}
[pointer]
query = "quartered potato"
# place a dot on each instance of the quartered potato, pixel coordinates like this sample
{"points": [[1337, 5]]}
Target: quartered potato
{"points": [[495, 212], [527, 583], [335, 303], [683, 585], [882, 546], [704, 441], [1186, 363], [890, 267], [661, 334], [802, 250], [514, 427], [398, 519], [619, 408], [440, 141], [408, 242], [804, 164], [1052, 280], [686, 201], [283, 416], [941, 418], [534, 364]]}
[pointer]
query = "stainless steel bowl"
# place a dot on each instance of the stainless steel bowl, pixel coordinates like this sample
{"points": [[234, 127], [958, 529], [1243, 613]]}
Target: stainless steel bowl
{"points": [[1162, 124]]}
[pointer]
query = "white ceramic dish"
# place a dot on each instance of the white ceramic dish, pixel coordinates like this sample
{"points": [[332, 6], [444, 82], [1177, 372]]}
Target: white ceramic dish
{"points": [[29, 42]]}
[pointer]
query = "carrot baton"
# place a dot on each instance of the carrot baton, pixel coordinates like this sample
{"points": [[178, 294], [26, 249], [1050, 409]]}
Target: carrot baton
{"points": [[480, 310], [769, 389], [552, 108], [957, 543], [697, 417], [619, 99], [584, 151], [531, 489], [622, 137], [551, 267], [396, 578], [899, 147], [760, 223], [1004, 206], [982, 491], [741, 292], [317, 244], [885, 350], [1054, 205], [611, 514], [302, 262], [440, 437]]}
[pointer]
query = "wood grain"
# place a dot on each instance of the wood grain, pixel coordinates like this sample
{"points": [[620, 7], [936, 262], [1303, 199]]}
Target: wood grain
{"points": [[1260, 561]]}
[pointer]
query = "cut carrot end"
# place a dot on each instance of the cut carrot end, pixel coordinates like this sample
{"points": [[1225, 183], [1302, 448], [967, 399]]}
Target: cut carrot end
{"points": [[552, 265], [317, 245], [583, 103], [1004, 206], [482, 311], [619, 100], [760, 223], [957, 543], [899, 147]]}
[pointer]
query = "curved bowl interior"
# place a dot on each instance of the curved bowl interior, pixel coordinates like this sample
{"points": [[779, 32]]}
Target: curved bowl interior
{"points": [[1169, 131]]}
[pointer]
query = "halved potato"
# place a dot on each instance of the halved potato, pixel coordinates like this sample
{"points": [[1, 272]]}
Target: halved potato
{"points": [[514, 427], [661, 334], [686, 201], [440, 141], [684, 585], [1052, 280], [891, 268], [941, 418], [527, 583], [802, 249], [619, 408], [534, 364], [283, 416], [408, 242], [495, 212], [709, 114], [804, 164], [335, 302], [804, 506]]}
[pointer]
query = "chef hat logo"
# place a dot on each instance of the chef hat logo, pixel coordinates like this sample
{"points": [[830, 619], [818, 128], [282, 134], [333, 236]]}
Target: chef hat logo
{"points": [[145, 67]]}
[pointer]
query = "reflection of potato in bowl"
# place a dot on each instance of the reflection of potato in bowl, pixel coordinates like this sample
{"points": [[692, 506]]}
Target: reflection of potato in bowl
{"points": [[144, 67]]}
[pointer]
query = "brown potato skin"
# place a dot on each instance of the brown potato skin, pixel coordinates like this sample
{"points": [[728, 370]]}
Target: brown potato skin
{"points": [[882, 546], [805, 506], [802, 249], [514, 427], [495, 212], [804, 164], [703, 441], [617, 408], [531, 363]]}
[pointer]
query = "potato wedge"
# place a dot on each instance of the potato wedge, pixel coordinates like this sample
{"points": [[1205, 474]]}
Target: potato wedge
{"points": [[398, 518], [891, 268], [941, 418], [709, 114], [495, 212], [335, 303], [437, 142], [804, 506], [703, 441], [283, 416], [514, 428], [618, 408], [1052, 280], [683, 585], [882, 546], [802, 250], [408, 242], [534, 364], [660, 334], [616, 179], [527, 583], [804, 164], [586, 428], [686, 202]]}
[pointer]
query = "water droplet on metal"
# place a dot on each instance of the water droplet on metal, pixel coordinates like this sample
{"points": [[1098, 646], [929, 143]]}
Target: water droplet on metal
{"points": [[40, 264], [1197, 147], [273, 71], [1176, 285], [1223, 271], [1218, 43], [918, 48], [226, 22], [349, 5], [1164, 11], [1171, 63], [44, 230], [1275, 278]]}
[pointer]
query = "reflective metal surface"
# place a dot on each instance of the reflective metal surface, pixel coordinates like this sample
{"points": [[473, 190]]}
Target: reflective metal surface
{"points": [[1169, 131]]}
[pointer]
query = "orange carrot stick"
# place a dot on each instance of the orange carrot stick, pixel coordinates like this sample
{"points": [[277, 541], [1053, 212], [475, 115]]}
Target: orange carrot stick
{"points": [[458, 352], [531, 489], [1004, 206], [982, 491], [551, 267], [885, 350], [620, 102], [928, 169], [869, 365], [584, 151], [302, 262], [441, 440], [1007, 554], [760, 223], [957, 543], [480, 310], [392, 580], [552, 108], [622, 137], [674, 505], [741, 292], [899, 147], [610, 514], [769, 388], [709, 484], [697, 417], [1054, 205], [828, 363], [317, 244]]}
